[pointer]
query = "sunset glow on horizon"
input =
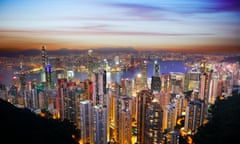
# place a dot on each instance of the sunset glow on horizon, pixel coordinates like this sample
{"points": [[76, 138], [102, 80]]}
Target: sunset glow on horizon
{"points": [[212, 25]]}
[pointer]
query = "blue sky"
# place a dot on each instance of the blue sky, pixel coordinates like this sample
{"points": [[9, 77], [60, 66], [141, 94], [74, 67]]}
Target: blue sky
{"points": [[141, 24]]}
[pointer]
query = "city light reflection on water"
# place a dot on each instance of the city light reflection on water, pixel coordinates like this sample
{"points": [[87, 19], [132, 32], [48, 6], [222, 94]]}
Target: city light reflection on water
{"points": [[165, 67]]}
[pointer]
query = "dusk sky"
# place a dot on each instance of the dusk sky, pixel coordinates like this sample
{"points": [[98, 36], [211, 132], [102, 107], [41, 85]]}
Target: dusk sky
{"points": [[141, 24]]}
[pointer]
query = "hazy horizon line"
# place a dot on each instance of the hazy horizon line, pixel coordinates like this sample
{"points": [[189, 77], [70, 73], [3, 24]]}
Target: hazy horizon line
{"points": [[201, 49]]}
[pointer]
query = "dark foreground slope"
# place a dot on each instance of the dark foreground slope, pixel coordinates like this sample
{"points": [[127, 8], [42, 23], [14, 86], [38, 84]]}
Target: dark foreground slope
{"points": [[25, 127], [224, 127]]}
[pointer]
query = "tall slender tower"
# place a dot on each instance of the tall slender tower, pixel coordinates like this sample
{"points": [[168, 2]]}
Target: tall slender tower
{"points": [[213, 88], [90, 64], [156, 69], [86, 124], [144, 73], [125, 125], [144, 99], [62, 94], [99, 87], [70, 102], [44, 63], [48, 74], [100, 124], [153, 123], [156, 81], [44, 56]]}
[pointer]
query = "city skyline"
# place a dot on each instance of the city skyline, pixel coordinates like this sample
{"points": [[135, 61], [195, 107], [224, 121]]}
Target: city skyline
{"points": [[184, 26]]}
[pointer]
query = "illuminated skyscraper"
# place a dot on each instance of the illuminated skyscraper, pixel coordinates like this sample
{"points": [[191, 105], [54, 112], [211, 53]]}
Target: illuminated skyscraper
{"points": [[23, 81], [62, 94], [90, 64], [144, 73], [86, 124], [44, 56], [125, 125], [88, 90], [138, 85], [99, 87], [121, 116], [156, 81], [180, 103], [165, 82], [204, 90], [126, 87], [23, 92], [32, 94], [100, 124], [13, 91], [177, 82], [186, 82], [213, 88], [204, 87], [41, 97], [194, 116], [170, 117], [44, 64], [153, 123], [156, 71], [194, 80], [49, 79], [70, 102], [117, 108], [155, 84], [144, 98]]}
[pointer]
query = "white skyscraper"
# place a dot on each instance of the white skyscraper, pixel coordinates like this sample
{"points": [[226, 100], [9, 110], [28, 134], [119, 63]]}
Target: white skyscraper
{"points": [[86, 124], [100, 124]]}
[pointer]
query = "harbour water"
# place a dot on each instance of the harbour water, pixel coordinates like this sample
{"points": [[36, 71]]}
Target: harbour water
{"points": [[6, 75]]}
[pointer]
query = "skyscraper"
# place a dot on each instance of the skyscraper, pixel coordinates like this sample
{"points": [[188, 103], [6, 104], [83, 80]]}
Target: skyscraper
{"points": [[144, 72], [100, 124], [204, 90], [194, 80], [194, 116], [49, 79], [62, 94], [153, 123], [70, 102], [156, 81], [156, 71], [156, 84], [86, 124], [213, 89], [88, 90], [99, 87], [125, 125], [90, 64], [44, 56], [170, 117], [204, 86], [144, 99]]}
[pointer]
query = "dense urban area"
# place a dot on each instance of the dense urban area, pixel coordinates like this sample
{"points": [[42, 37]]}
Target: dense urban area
{"points": [[119, 96]]}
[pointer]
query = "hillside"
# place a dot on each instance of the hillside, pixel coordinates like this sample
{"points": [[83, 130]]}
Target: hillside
{"points": [[25, 127], [224, 126]]}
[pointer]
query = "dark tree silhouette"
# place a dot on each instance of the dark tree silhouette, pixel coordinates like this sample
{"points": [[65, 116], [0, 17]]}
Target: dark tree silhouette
{"points": [[23, 126], [224, 126]]}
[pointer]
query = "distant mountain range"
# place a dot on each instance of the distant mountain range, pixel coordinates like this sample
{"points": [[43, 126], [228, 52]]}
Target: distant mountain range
{"points": [[64, 51]]}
